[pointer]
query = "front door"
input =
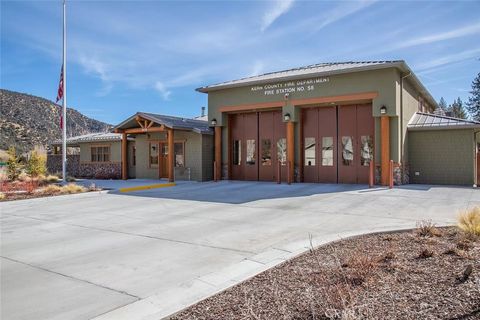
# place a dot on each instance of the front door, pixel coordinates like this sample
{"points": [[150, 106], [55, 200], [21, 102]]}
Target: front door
{"points": [[163, 160]]}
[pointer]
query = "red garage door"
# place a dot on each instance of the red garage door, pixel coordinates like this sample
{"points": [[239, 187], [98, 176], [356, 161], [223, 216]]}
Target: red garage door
{"points": [[257, 144], [338, 143]]}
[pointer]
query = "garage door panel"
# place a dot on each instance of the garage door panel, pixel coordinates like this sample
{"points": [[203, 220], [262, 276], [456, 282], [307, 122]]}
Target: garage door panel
{"points": [[326, 145], [310, 137], [346, 144], [365, 141], [236, 140], [250, 145], [266, 148]]}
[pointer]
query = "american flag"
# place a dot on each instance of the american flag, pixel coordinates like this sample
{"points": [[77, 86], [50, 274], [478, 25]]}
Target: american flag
{"points": [[60, 86], [60, 95]]}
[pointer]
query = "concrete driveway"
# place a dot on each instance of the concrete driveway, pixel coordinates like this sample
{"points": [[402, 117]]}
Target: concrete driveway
{"points": [[144, 255]]}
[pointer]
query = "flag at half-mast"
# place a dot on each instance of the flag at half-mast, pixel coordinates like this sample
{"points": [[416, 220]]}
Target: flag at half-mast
{"points": [[60, 94]]}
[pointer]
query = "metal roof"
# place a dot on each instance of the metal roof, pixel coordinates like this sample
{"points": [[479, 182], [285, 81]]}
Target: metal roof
{"points": [[92, 137], [427, 121], [199, 126], [322, 69]]}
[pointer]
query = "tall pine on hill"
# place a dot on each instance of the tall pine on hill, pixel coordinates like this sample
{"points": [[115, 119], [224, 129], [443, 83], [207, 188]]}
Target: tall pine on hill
{"points": [[473, 104]]}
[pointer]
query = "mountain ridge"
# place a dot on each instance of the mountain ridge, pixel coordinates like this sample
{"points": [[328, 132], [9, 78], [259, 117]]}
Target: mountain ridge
{"points": [[28, 121]]}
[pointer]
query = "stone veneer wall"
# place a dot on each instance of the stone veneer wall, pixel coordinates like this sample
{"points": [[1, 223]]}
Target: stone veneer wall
{"points": [[54, 164], [101, 170], [400, 175]]}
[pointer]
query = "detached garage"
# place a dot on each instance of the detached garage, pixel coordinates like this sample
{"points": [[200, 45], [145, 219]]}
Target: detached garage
{"points": [[443, 150]]}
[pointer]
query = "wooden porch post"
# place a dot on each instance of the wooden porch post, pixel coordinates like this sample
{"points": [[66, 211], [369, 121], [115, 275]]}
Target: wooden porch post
{"points": [[218, 153], [385, 148], [124, 156], [171, 151], [290, 151]]}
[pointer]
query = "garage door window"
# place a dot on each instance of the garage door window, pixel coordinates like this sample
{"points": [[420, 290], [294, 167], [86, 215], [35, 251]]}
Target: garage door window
{"points": [[366, 152], [327, 151], [251, 154], [266, 152], [282, 151], [309, 151], [237, 152], [347, 152]]}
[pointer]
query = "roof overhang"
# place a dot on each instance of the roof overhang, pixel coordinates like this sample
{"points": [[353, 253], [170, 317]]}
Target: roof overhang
{"points": [[400, 65]]}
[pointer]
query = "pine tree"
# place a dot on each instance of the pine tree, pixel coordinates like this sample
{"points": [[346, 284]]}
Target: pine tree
{"points": [[473, 104], [457, 110], [442, 104], [13, 164]]}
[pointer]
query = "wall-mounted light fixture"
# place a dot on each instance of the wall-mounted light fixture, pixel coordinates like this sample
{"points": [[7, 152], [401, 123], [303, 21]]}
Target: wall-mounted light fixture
{"points": [[287, 117], [214, 122], [383, 110]]}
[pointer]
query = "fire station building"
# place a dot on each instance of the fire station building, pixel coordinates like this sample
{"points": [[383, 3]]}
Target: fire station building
{"points": [[327, 122]]}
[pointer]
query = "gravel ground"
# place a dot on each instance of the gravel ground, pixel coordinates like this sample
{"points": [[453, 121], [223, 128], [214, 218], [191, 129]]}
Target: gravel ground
{"points": [[428, 273]]}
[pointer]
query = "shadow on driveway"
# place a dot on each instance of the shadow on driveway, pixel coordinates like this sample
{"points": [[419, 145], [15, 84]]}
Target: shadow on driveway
{"points": [[238, 192]]}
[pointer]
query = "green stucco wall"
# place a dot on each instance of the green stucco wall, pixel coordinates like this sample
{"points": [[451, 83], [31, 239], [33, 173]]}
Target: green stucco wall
{"points": [[441, 156], [115, 150], [193, 155]]}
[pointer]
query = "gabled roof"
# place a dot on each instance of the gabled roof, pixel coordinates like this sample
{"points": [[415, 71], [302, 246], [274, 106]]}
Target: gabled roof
{"points": [[427, 121], [92, 137], [199, 126], [322, 69]]}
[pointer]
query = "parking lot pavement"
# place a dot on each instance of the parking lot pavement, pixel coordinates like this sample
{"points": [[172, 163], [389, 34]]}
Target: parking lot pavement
{"points": [[146, 254]]}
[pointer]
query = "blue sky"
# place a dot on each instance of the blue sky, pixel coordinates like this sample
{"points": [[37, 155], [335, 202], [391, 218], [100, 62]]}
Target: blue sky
{"points": [[128, 56]]}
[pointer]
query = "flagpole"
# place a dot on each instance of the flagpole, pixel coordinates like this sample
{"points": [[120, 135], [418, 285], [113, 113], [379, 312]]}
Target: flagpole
{"points": [[64, 111]]}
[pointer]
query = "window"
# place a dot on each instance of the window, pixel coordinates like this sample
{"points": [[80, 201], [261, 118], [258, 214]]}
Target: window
{"points": [[327, 151], [237, 152], [366, 151], [134, 156], [153, 155], [100, 154], [179, 154], [309, 151], [282, 151], [266, 152], [347, 152], [251, 152]]}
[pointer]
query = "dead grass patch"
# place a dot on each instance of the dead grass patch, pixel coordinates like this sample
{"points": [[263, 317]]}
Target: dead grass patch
{"points": [[394, 283]]}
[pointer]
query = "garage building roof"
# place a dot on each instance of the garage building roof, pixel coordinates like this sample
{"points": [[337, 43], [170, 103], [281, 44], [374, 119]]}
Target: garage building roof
{"points": [[427, 121]]}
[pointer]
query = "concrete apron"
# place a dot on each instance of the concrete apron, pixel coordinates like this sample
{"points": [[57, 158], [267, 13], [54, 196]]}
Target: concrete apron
{"points": [[163, 305]]}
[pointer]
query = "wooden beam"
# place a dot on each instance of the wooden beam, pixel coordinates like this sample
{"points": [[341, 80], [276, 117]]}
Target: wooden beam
{"points": [[218, 153], [171, 162], [146, 130], [290, 150], [124, 157], [150, 124], [385, 148]]}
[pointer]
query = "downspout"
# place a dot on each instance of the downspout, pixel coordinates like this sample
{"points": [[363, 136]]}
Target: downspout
{"points": [[402, 148]]}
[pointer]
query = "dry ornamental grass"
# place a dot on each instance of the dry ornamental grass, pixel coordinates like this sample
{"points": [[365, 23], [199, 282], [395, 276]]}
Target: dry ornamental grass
{"points": [[407, 275]]}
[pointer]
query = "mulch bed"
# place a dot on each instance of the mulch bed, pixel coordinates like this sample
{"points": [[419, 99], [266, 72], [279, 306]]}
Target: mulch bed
{"points": [[406, 275]]}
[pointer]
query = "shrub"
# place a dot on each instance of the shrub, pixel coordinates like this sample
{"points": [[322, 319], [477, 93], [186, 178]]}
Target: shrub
{"points": [[2, 196], [425, 253], [426, 228], [23, 177], [52, 179], [52, 189], [37, 164], [73, 188], [13, 164], [469, 221]]}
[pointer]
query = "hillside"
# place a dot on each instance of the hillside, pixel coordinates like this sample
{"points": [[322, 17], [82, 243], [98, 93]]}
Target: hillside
{"points": [[27, 121]]}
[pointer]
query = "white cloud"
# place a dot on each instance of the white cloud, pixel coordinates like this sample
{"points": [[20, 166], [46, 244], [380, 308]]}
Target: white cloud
{"points": [[164, 92], [456, 33], [277, 8], [257, 68], [433, 64]]}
